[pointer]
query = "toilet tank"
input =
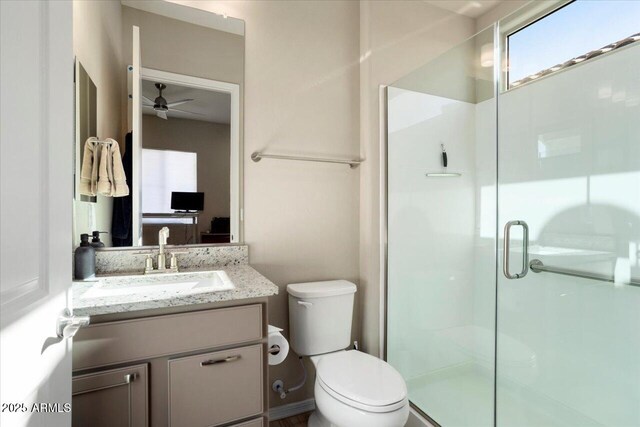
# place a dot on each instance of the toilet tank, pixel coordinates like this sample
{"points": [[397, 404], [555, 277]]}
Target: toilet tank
{"points": [[320, 315]]}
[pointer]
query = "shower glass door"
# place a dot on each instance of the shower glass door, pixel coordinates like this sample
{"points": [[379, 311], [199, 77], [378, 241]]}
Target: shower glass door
{"points": [[568, 348], [441, 270], [538, 326], [558, 159]]}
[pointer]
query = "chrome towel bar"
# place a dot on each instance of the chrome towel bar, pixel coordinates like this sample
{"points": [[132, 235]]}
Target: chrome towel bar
{"points": [[257, 156], [537, 266]]}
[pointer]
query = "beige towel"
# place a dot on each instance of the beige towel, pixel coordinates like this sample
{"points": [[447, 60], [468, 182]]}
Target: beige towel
{"points": [[119, 187], [89, 168], [104, 183], [102, 171]]}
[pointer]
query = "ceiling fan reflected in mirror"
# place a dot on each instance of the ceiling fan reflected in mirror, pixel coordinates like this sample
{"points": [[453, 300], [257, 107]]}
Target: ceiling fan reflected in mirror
{"points": [[161, 106]]}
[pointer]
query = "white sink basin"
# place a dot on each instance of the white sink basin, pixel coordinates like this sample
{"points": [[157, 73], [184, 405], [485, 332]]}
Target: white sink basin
{"points": [[170, 283]]}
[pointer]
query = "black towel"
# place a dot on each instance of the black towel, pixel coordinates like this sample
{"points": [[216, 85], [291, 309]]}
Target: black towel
{"points": [[121, 220]]}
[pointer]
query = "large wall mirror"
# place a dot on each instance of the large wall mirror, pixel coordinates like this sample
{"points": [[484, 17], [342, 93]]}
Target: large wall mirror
{"points": [[163, 84], [86, 122]]}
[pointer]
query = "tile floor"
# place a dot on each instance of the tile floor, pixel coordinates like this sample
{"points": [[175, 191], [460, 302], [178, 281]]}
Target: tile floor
{"points": [[296, 421]]}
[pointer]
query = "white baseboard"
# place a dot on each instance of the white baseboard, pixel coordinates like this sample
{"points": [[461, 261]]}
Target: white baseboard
{"points": [[291, 409]]}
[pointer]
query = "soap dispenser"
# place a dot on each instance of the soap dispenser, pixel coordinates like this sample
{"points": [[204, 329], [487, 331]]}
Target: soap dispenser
{"points": [[95, 241], [84, 259]]}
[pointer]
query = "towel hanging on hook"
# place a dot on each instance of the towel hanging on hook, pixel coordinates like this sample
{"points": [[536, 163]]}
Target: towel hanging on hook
{"points": [[102, 171]]}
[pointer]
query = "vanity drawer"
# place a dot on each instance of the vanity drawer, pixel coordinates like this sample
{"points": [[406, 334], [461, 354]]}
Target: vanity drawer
{"points": [[216, 388], [150, 337]]}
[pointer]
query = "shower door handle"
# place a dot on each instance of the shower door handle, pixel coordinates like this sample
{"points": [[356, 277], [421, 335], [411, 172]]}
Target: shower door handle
{"points": [[525, 249]]}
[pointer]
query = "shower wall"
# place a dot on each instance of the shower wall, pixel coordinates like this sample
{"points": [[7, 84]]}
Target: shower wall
{"points": [[441, 267], [433, 223]]}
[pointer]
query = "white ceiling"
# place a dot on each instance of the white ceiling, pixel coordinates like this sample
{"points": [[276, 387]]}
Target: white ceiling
{"points": [[472, 9], [212, 106]]}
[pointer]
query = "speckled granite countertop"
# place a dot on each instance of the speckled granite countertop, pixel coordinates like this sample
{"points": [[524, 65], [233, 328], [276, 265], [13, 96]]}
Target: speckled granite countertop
{"points": [[248, 284]]}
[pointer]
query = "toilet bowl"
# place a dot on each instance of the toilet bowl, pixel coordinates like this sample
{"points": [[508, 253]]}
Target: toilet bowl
{"points": [[352, 388], [356, 389]]}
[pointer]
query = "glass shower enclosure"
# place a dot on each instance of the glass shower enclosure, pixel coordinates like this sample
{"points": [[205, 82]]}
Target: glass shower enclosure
{"points": [[513, 238]]}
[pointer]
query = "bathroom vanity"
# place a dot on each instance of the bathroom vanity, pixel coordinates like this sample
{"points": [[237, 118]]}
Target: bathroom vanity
{"points": [[173, 356]]}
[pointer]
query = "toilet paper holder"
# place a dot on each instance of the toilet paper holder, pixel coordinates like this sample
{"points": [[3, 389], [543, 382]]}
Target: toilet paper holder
{"points": [[274, 350], [277, 345]]}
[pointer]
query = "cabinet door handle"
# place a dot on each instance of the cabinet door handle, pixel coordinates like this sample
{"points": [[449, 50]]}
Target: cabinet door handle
{"points": [[128, 379], [218, 361]]}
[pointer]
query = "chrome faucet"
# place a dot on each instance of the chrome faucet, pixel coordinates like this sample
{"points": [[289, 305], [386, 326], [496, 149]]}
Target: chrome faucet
{"points": [[163, 235]]}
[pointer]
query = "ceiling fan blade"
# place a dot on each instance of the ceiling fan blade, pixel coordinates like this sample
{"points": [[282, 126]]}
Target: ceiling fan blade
{"points": [[147, 102], [182, 101], [188, 112], [162, 115]]}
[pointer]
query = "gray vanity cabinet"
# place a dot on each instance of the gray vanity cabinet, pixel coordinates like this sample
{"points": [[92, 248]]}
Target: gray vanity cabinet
{"points": [[113, 397], [192, 368]]}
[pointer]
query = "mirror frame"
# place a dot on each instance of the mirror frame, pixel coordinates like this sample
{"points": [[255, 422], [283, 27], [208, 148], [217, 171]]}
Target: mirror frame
{"points": [[233, 89], [79, 140]]}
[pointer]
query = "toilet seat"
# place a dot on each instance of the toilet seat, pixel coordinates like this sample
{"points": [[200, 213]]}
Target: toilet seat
{"points": [[361, 381]]}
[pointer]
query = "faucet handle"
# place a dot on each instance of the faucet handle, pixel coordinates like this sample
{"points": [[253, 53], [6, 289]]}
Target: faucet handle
{"points": [[173, 263], [148, 264]]}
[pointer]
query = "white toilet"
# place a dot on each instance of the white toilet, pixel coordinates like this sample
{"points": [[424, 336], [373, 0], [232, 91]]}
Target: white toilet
{"points": [[352, 389]]}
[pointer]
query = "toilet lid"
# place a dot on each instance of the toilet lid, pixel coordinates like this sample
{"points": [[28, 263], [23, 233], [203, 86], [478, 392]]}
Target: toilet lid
{"points": [[361, 380]]}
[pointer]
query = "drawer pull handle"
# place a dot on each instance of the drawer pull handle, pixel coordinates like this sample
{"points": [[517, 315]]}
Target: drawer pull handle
{"points": [[128, 379], [217, 361]]}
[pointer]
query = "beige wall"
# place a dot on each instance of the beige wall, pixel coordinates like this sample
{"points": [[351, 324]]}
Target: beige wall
{"points": [[301, 219], [184, 48], [97, 45], [503, 9], [212, 143]]}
